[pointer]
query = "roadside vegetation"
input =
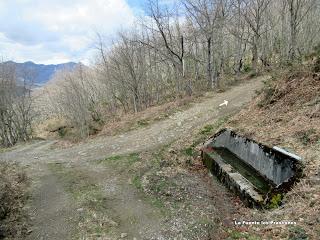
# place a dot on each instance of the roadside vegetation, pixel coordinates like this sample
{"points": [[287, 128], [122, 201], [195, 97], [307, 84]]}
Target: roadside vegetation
{"points": [[174, 52], [286, 113], [92, 220], [14, 221], [166, 192], [178, 51], [171, 58], [16, 113]]}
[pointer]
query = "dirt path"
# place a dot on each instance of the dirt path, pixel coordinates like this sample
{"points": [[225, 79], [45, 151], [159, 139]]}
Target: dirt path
{"points": [[160, 133], [51, 207], [60, 193]]}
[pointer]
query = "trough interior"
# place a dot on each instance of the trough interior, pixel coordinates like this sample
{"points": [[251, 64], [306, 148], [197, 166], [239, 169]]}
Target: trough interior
{"points": [[261, 184], [272, 164], [253, 170]]}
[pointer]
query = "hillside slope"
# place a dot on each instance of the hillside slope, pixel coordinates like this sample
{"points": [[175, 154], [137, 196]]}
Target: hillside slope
{"points": [[287, 113], [148, 196]]}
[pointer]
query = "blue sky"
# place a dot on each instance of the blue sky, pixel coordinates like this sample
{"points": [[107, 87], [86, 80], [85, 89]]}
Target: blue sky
{"points": [[56, 31]]}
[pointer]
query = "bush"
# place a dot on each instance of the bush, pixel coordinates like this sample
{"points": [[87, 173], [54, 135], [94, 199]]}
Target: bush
{"points": [[307, 136], [13, 182], [269, 95], [247, 68], [316, 67], [275, 201], [297, 233]]}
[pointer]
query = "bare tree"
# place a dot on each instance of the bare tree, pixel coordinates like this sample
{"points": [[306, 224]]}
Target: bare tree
{"points": [[298, 10], [254, 13], [204, 14], [172, 53], [79, 100], [171, 38], [16, 113]]}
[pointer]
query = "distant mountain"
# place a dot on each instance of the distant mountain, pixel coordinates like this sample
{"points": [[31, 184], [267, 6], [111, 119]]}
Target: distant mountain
{"points": [[40, 74]]}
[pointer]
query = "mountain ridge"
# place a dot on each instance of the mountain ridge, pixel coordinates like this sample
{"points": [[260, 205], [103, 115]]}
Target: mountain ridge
{"points": [[39, 74]]}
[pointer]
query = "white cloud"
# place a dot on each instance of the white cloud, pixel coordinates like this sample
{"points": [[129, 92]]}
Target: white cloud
{"points": [[52, 31]]}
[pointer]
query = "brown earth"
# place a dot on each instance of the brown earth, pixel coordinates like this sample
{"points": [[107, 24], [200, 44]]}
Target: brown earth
{"points": [[287, 114], [103, 189]]}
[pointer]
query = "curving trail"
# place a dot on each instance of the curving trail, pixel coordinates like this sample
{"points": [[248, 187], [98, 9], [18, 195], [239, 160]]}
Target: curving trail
{"points": [[54, 211]]}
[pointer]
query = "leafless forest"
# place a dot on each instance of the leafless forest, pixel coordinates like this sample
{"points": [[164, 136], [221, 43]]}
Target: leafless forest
{"points": [[16, 112], [176, 51]]}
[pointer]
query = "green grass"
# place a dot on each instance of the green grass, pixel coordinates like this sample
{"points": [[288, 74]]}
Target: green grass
{"points": [[158, 156], [235, 234], [86, 195], [188, 151], [137, 182], [121, 162], [156, 202], [113, 159], [275, 201], [85, 192], [161, 185], [152, 199], [208, 131], [297, 233]]}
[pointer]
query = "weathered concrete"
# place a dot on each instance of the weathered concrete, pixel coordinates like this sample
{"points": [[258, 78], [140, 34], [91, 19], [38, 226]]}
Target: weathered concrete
{"points": [[279, 168], [233, 180]]}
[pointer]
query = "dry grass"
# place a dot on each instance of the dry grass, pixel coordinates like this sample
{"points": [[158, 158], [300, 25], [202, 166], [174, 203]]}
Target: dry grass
{"points": [[49, 126], [13, 220], [287, 110], [57, 127], [287, 113], [131, 121]]}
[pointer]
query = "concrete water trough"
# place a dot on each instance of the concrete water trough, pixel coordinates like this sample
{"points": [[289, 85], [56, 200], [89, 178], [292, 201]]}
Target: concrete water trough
{"points": [[252, 170]]}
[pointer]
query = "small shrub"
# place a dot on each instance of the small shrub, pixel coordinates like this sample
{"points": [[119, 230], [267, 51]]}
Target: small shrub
{"points": [[297, 233], [143, 123], [316, 67], [137, 182], [275, 201], [306, 137], [253, 74], [247, 68], [268, 96], [13, 182], [207, 129], [62, 131], [188, 151]]}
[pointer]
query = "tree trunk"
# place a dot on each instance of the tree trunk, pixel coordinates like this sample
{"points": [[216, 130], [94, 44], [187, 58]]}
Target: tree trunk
{"points": [[209, 64], [293, 33], [255, 57]]}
